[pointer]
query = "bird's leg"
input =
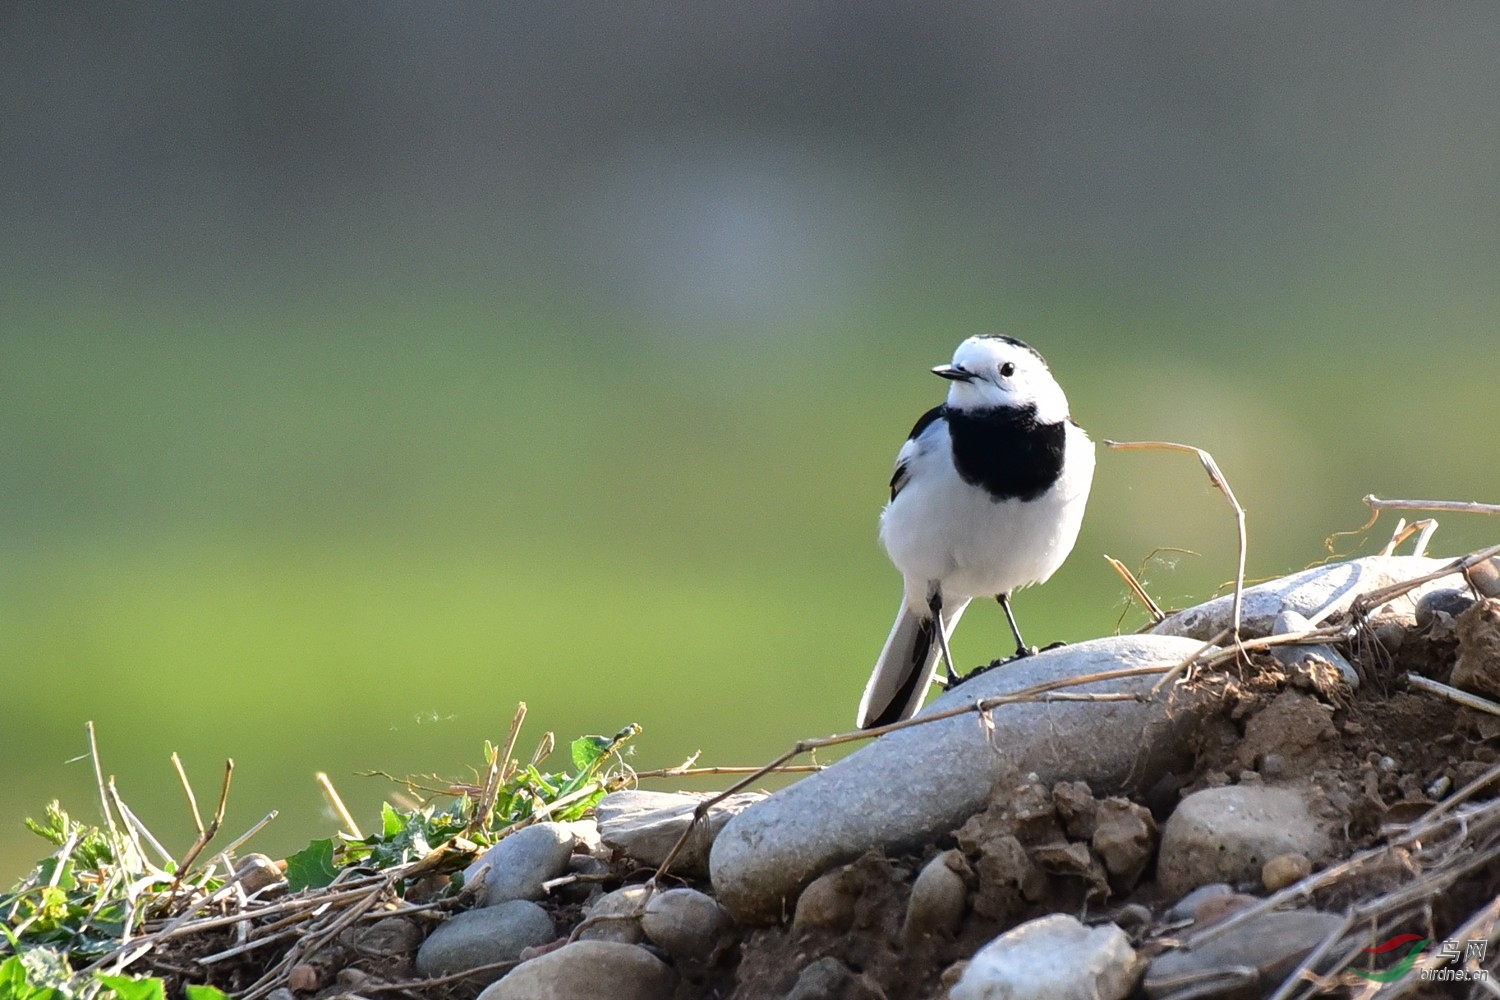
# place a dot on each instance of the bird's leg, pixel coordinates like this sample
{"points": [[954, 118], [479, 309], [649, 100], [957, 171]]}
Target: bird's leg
{"points": [[935, 605], [1021, 648]]}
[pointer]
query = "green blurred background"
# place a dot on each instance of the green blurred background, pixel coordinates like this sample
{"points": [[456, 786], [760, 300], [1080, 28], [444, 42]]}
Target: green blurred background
{"points": [[366, 368]]}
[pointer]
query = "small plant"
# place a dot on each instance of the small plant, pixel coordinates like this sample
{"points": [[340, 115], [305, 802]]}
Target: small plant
{"points": [[110, 896]]}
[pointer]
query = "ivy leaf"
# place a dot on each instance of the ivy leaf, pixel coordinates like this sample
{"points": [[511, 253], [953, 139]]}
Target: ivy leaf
{"points": [[312, 867], [587, 750], [197, 992], [127, 988]]}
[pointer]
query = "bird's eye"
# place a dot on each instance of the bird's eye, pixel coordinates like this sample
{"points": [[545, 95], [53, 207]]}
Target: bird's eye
{"points": [[1008, 369]]}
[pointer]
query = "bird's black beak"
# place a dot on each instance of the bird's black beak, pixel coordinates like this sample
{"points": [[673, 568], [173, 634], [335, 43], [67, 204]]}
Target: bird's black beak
{"points": [[954, 373]]}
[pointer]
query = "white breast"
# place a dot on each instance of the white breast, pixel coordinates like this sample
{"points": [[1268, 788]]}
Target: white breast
{"points": [[940, 528]]}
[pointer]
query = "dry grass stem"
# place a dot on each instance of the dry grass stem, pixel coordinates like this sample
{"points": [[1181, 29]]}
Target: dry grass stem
{"points": [[331, 794], [1368, 602], [1222, 484], [1453, 694], [1376, 504], [1136, 590]]}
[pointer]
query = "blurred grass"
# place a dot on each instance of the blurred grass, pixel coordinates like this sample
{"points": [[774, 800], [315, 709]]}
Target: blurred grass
{"points": [[324, 536]]}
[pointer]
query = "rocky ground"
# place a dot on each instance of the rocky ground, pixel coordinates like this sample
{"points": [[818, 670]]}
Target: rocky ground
{"points": [[1191, 846]]}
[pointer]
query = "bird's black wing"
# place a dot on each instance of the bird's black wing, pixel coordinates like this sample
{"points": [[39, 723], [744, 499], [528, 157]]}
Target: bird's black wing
{"points": [[900, 476]]}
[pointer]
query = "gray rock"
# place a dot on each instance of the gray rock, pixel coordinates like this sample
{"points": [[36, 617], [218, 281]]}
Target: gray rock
{"points": [[830, 979], [1227, 834], [484, 936], [685, 923], [1187, 907], [1309, 593], [1027, 963], [644, 826], [828, 901], [255, 872], [938, 898], [385, 938], [1450, 601], [1124, 838], [1258, 953], [1292, 657], [587, 970], [516, 867], [616, 916], [1485, 576], [915, 783]]}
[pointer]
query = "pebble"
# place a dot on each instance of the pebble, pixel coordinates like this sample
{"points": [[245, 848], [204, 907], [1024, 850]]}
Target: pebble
{"points": [[1227, 834], [685, 923], [827, 902], [482, 937], [1284, 869], [391, 936], [516, 867], [1267, 946], [1052, 958], [914, 784], [830, 979], [1450, 601], [645, 826], [1308, 593], [1309, 658], [938, 898], [623, 908], [587, 970], [256, 871], [1187, 907]]}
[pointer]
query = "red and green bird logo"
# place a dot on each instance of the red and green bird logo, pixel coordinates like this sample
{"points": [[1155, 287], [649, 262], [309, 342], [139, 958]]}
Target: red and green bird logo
{"points": [[1402, 967]]}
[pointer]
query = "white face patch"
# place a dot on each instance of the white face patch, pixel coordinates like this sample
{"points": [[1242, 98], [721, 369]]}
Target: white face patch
{"points": [[1006, 373]]}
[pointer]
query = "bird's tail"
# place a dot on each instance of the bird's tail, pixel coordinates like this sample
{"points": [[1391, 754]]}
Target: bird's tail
{"points": [[904, 670]]}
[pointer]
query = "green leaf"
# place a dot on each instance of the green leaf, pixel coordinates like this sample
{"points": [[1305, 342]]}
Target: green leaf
{"points": [[196, 992], [587, 750], [312, 867], [127, 988], [391, 822]]}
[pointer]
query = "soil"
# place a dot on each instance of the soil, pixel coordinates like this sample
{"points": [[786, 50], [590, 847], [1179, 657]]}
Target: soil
{"points": [[1373, 757]]}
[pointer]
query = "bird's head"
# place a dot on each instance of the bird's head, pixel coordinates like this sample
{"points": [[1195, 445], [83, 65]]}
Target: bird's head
{"points": [[992, 370]]}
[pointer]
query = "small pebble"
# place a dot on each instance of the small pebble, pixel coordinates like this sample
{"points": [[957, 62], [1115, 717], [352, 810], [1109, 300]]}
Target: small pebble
{"points": [[256, 871], [1439, 787], [937, 898], [302, 978], [1284, 869], [684, 922], [1451, 602]]}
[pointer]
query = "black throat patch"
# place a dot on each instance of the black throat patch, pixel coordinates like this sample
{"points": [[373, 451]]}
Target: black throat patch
{"points": [[1005, 451]]}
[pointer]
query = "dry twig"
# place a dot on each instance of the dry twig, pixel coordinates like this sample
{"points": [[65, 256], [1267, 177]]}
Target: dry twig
{"points": [[1222, 484]]}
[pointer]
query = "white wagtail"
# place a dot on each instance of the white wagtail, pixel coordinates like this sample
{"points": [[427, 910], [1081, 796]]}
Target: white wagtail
{"points": [[987, 497]]}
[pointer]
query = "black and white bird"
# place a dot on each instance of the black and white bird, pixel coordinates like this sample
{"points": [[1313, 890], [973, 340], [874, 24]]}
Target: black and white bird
{"points": [[987, 498]]}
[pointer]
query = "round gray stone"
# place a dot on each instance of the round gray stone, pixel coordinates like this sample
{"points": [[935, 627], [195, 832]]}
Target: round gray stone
{"points": [[685, 922], [484, 936], [645, 826], [1227, 834], [587, 970], [1026, 963], [516, 867], [1309, 593], [915, 783]]}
